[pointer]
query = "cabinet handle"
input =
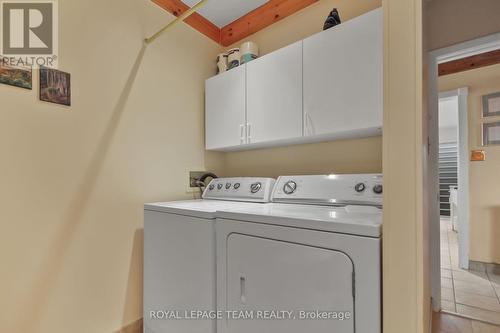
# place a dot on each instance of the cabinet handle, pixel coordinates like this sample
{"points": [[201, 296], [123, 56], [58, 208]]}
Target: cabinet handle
{"points": [[242, 134], [243, 281], [309, 125], [306, 124], [249, 132]]}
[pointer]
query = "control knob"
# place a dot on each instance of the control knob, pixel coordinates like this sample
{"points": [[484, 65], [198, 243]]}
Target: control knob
{"points": [[236, 186], [228, 186], [211, 187], [219, 186], [360, 187], [255, 187], [289, 187], [377, 189]]}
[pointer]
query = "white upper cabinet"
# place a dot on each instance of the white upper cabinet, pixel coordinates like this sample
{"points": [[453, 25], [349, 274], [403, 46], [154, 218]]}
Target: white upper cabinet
{"points": [[343, 82], [225, 109], [274, 96], [328, 86]]}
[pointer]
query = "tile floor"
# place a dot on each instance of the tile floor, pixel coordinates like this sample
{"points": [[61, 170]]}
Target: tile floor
{"points": [[448, 323], [471, 293]]}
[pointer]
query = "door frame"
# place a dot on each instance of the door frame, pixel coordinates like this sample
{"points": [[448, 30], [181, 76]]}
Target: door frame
{"points": [[463, 173], [454, 52]]}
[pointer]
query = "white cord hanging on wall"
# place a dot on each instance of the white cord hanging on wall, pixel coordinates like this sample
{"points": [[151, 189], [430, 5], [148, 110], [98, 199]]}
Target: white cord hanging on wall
{"points": [[180, 18]]}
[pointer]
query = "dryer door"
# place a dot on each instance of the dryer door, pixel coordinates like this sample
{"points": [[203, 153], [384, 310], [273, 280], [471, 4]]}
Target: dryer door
{"points": [[272, 275]]}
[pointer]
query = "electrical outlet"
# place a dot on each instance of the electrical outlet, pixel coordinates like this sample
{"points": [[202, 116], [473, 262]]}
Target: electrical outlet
{"points": [[193, 175]]}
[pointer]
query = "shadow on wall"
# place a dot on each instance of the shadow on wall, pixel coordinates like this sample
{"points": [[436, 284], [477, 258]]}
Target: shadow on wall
{"points": [[495, 233], [133, 297], [60, 245]]}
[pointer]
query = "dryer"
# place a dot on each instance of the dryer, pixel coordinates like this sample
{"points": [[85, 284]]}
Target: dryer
{"points": [[311, 260], [179, 253]]}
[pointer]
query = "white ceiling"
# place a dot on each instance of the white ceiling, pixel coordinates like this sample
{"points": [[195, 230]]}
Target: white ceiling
{"points": [[223, 12]]}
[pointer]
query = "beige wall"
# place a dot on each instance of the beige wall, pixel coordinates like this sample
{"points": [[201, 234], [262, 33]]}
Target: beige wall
{"points": [[347, 156], [483, 176], [362, 155], [73, 180], [454, 21], [306, 23]]}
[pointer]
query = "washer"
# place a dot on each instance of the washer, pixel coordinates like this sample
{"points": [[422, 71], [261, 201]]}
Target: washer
{"points": [[316, 250], [179, 252]]}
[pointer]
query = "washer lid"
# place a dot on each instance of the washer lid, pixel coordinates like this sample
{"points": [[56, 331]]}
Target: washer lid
{"points": [[354, 220], [200, 208]]}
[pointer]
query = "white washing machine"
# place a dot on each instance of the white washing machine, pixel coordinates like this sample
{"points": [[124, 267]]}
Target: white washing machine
{"points": [[179, 253], [311, 259]]}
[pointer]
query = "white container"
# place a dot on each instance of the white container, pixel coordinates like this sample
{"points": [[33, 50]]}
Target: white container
{"points": [[233, 58], [249, 51], [221, 63]]}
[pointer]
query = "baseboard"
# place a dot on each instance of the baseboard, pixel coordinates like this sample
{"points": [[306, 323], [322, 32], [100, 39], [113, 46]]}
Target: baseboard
{"points": [[479, 266], [134, 327]]}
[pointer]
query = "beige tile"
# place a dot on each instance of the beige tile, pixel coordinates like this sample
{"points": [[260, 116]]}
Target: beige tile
{"points": [[446, 263], [446, 273], [446, 323], [484, 315], [447, 283], [495, 278], [474, 277], [447, 294], [478, 301], [497, 289], [479, 327], [448, 306], [484, 289]]}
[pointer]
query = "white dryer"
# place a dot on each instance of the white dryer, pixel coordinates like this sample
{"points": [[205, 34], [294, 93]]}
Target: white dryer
{"points": [[311, 259], [179, 253]]}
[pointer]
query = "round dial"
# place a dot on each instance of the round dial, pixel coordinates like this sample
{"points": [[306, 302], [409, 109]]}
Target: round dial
{"points": [[255, 187], [219, 186], [289, 187], [211, 187], [228, 186], [377, 189], [236, 186], [360, 187]]}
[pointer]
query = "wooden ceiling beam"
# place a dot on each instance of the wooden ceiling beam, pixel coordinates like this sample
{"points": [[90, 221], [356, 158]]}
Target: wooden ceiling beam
{"points": [[198, 22], [260, 18], [472, 62], [254, 21]]}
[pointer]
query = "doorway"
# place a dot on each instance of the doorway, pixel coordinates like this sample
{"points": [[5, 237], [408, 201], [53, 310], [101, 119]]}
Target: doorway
{"points": [[456, 287]]}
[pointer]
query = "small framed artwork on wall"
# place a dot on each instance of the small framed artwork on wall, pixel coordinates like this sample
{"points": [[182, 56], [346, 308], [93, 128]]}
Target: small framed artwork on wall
{"points": [[15, 76], [491, 105], [55, 86], [491, 133]]}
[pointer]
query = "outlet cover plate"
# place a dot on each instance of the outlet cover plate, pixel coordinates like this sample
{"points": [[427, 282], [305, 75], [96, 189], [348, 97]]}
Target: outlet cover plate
{"points": [[193, 175]]}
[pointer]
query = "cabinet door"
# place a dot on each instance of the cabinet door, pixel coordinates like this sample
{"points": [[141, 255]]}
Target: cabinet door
{"points": [[274, 95], [225, 109], [271, 275], [343, 85]]}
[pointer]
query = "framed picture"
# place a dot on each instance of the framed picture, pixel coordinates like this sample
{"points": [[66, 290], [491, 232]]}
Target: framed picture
{"points": [[491, 105], [55, 86], [15, 76], [491, 133]]}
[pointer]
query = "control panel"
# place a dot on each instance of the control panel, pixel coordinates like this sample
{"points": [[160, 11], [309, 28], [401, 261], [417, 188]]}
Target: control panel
{"points": [[240, 189], [337, 190]]}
